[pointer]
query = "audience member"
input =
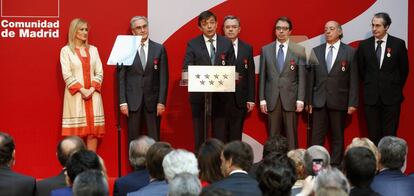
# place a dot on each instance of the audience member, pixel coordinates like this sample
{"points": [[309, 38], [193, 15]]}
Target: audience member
{"points": [[297, 157], [316, 158], [139, 177], [79, 162], [154, 159], [12, 183], [236, 160], [179, 161], [329, 191], [328, 178], [213, 191], [274, 144], [360, 167], [184, 184], [65, 149], [91, 183], [365, 142], [391, 180], [276, 175], [209, 161]]}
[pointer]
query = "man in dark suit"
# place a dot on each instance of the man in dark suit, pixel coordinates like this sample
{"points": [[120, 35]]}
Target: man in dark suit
{"points": [[12, 183], [236, 160], [144, 85], [140, 177], [65, 149], [242, 101], [391, 179], [383, 67], [282, 82], [334, 83], [208, 49]]}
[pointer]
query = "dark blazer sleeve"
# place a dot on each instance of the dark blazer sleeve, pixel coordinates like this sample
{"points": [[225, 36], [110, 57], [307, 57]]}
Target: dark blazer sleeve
{"points": [[262, 75], [403, 62], [302, 74], [122, 84], [313, 61], [251, 77], [353, 81], [189, 58], [163, 76]]}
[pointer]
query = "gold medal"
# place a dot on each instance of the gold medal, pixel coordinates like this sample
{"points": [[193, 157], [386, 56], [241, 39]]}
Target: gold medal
{"points": [[155, 67], [292, 67], [343, 68], [388, 55]]}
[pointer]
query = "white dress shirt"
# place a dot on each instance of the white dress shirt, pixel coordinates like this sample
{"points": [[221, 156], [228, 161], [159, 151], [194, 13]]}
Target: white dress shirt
{"points": [[208, 43], [383, 45]]}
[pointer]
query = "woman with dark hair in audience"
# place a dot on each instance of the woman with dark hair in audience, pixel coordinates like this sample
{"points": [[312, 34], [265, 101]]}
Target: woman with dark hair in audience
{"points": [[276, 175], [209, 161]]}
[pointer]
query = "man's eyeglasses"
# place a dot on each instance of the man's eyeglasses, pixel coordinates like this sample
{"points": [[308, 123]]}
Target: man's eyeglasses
{"points": [[282, 28]]}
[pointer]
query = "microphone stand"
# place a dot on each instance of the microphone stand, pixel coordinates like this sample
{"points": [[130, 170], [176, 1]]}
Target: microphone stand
{"points": [[118, 125], [309, 78]]}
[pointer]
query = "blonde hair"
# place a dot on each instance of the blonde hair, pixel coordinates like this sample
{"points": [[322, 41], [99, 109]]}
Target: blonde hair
{"points": [[297, 157], [73, 28], [364, 142]]}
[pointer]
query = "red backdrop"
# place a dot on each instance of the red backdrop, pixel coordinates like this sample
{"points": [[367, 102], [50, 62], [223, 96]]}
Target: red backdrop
{"points": [[31, 83]]}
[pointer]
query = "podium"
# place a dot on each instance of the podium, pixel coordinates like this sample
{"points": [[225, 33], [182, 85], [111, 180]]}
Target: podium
{"points": [[209, 79]]}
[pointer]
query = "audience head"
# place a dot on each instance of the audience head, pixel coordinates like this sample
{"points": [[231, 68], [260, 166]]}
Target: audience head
{"points": [[154, 159], [364, 142], [360, 166], [179, 161], [331, 177], [297, 157], [329, 191], [393, 152], [276, 175], [316, 153], [137, 151], [81, 161], [275, 143], [6, 149], [67, 147], [236, 155], [209, 160], [90, 182], [184, 184]]}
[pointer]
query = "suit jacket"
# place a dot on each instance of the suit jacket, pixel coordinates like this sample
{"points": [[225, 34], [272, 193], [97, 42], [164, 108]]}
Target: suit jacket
{"points": [[131, 182], [393, 183], [67, 191], [149, 85], [386, 83], [197, 54], [14, 184], [239, 184], [355, 191], [289, 84], [153, 188], [245, 86], [337, 89], [45, 186]]}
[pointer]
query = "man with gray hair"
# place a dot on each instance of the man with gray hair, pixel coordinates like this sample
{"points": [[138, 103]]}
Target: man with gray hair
{"points": [[184, 184], [179, 161], [393, 157], [144, 85], [327, 178], [316, 158], [90, 182], [140, 177]]}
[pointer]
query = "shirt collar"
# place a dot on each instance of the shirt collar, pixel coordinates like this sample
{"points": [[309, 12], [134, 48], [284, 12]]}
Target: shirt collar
{"points": [[146, 42], [384, 39], [236, 42], [335, 45], [238, 171], [206, 38], [285, 44]]}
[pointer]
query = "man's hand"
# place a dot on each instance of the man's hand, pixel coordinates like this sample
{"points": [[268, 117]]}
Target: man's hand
{"points": [[299, 107], [124, 109], [263, 108], [249, 106], [309, 108], [160, 109], [351, 110]]}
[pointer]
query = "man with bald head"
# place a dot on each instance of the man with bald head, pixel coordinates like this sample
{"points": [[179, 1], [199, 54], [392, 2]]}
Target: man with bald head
{"points": [[65, 149], [334, 84]]}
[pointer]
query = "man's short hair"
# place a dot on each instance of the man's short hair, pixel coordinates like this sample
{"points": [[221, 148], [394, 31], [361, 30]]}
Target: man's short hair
{"points": [[81, 161], [276, 143], [284, 19], [155, 156], [138, 149], [331, 177], [65, 151], [360, 166], [231, 17], [179, 161], [135, 18], [184, 184], [393, 151], [90, 182], [386, 18], [240, 153], [205, 16], [6, 148], [316, 152]]}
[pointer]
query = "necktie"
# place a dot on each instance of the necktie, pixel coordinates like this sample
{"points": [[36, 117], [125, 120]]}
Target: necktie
{"points": [[142, 56], [329, 58], [212, 51], [280, 58], [378, 51]]}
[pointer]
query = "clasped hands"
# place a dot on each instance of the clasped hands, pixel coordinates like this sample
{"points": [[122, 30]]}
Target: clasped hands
{"points": [[87, 93]]}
